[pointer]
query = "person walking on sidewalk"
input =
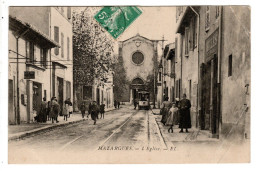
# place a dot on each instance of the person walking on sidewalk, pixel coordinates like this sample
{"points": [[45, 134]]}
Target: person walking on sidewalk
{"points": [[185, 120], [55, 110], [94, 112], [83, 109], [43, 111], [172, 117], [118, 104], [89, 109], [115, 103], [102, 110], [65, 111], [70, 106], [135, 102], [165, 109]]}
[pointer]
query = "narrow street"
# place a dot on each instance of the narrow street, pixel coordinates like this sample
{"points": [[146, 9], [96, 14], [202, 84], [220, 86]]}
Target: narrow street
{"points": [[127, 133]]}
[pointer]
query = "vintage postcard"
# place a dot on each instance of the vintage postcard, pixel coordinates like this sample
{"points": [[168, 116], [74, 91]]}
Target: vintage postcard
{"points": [[129, 84]]}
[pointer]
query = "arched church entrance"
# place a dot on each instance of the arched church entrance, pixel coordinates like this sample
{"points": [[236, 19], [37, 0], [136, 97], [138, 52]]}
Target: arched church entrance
{"points": [[137, 85]]}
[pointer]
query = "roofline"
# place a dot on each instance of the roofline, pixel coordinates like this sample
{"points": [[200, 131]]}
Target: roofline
{"points": [[34, 29], [139, 36]]}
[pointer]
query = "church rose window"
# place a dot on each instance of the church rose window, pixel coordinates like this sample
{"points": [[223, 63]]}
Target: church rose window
{"points": [[138, 58]]}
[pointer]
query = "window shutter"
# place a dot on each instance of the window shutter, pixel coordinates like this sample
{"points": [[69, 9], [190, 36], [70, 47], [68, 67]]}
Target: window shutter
{"points": [[68, 48], [186, 41], [191, 33], [34, 53], [56, 38], [176, 49], [69, 13], [62, 45], [207, 20]]}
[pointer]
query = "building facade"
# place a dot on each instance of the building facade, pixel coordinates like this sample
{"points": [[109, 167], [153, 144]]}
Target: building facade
{"points": [[54, 76], [213, 47], [28, 53], [187, 55], [139, 58]]}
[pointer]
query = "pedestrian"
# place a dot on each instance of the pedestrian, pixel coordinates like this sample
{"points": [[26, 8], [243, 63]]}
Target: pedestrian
{"points": [[135, 103], [89, 109], [185, 119], [118, 104], [83, 109], [165, 109], [43, 111], [115, 103], [55, 110], [48, 110], [65, 110], [94, 112], [68, 101], [172, 117], [102, 110], [98, 110]]}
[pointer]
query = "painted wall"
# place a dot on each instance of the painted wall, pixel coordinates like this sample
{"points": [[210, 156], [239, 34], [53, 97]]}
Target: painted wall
{"points": [[236, 42]]}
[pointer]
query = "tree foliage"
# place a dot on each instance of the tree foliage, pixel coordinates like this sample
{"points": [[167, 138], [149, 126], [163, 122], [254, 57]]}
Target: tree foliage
{"points": [[92, 47], [120, 81]]}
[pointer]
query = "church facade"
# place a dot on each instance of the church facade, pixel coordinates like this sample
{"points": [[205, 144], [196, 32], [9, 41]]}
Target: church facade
{"points": [[139, 56]]}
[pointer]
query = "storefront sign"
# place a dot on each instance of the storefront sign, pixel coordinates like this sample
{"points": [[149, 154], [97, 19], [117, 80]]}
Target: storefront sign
{"points": [[29, 75], [212, 45]]}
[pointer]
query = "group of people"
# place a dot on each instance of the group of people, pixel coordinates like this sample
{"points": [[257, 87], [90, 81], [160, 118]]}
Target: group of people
{"points": [[117, 104], [93, 109], [50, 110], [176, 113]]}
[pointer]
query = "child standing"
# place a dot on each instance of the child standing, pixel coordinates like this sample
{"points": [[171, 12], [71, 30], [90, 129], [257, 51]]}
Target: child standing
{"points": [[173, 112]]}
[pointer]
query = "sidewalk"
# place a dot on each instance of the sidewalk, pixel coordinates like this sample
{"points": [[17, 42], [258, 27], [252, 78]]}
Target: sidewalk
{"points": [[26, 129], [194, 135]]}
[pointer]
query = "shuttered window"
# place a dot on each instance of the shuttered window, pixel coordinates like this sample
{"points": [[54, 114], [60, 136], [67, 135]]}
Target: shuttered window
{"points": [[176, 49], [191, 35], [207, 19], [68, 48], [62, 45], [186, 41], [56, 38]]}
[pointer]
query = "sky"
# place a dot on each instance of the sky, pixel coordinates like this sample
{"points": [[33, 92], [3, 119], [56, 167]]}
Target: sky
{"points": [[153, 23]]}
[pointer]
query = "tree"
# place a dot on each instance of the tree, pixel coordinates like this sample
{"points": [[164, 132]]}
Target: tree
{"points": [[92, 49], [120, 81]]}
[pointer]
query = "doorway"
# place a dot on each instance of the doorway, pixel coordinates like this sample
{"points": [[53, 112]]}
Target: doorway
{"points": [[11, 117], [60, 97], [37, 97], [209, 96]]}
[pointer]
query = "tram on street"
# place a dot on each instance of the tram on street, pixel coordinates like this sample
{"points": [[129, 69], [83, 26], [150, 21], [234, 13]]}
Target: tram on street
{"points": [[144, 100]]}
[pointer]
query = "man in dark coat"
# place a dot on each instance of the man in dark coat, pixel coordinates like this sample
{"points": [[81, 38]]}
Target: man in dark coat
{"points": [[115, 103], [94, 112], [185, 120], [43, 111], [89, 109], [83, 109], [102, 110]]}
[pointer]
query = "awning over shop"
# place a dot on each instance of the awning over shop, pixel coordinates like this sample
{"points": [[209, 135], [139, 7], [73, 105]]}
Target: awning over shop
{"points": [[33, 33]]}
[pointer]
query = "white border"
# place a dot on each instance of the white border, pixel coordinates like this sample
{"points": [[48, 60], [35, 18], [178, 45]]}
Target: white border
{"points": [[255, 55]]}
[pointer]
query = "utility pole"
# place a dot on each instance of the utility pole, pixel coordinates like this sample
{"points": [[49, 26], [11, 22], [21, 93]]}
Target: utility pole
{"points": [[162, 40], [17, 77]]}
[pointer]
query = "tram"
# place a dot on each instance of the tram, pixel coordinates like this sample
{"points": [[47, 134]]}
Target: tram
{"points": [[144, 100]]}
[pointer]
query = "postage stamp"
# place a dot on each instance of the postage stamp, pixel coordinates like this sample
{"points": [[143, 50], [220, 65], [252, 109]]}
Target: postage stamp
{"points": [[116, 19]]}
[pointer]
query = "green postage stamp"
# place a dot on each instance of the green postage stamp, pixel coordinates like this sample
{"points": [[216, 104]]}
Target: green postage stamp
{"points": [[116, 19]]}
